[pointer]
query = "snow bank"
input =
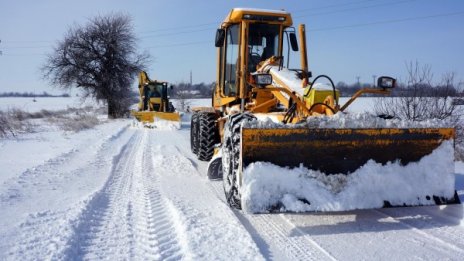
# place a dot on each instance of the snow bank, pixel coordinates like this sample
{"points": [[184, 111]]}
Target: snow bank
{"points": [[300, 189], [348, 120], [159, 124]]}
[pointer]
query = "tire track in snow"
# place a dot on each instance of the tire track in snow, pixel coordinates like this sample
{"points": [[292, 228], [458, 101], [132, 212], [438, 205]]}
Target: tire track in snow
{"points": [[95, 213], [356, 234], [277, 234], [127, 219], [160, 221], [45, 233], [208, 229], [274, 231], [54, 167], [428, 225]]}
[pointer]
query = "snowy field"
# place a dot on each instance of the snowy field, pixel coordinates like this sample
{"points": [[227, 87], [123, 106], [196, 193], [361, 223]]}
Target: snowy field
{"points": [[119, 192], [44, 103]]}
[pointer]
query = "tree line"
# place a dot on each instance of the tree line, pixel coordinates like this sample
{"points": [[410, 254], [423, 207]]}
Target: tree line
{"points": [[32, 95], [447, 87], [186, 91]]}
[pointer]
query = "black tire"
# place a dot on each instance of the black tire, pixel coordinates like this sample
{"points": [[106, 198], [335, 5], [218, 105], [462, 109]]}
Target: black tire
{"points": [[215, 169], [231, 158], [208, 135], [194, 133]]}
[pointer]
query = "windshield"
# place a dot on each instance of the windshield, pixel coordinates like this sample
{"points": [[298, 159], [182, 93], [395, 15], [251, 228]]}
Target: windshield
{"points": [[263, 42], [154, 90]]}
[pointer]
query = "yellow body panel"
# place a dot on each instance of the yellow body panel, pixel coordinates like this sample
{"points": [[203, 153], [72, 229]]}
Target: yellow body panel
{"points": [[237, 15], [318, 96]]}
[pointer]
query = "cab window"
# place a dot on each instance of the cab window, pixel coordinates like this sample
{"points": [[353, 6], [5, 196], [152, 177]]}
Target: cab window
{"points": [[232, 50]]}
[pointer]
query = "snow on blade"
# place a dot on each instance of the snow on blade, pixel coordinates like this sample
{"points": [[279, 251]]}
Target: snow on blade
{"points": [[348, 120], [268, 186], [288, 77]]}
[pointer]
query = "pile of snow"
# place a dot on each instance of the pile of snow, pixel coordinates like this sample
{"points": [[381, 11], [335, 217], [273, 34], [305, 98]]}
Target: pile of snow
{"points": [[348, 120], [158, 124], [267, 186]]}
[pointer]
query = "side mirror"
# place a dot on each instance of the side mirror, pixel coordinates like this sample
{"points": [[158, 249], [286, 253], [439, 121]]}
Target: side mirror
{"points": [[386, 82], [171, 87], [293, 42], [220, 35]]}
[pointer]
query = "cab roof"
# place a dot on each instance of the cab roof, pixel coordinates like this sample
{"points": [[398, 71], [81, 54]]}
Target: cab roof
{"points": [[237, 15]]}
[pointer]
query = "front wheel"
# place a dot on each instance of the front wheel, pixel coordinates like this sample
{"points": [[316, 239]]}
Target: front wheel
{"points": [[231, 158]]}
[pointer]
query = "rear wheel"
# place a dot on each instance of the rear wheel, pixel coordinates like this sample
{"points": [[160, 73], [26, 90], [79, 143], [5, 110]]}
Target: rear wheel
{"points": [[208, 135], [194, 133], [231, 158]]}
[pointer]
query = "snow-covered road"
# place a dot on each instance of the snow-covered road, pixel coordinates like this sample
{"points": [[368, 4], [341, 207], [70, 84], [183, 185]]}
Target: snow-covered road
{"points": [[117, 192]]}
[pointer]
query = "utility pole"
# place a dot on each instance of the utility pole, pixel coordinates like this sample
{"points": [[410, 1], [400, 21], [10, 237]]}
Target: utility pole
{"points": [[1, 53], [373, 80], [191, 83], [357, 80]]}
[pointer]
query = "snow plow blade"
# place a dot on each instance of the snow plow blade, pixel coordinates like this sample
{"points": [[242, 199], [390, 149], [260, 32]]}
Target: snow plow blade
{"points": [[339, 151], [151, 116]]}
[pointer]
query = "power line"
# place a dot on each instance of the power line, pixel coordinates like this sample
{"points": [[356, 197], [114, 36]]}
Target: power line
{"points": [[210, 29], [334, 5], [309, 30], [24, 54], [385, 22], [16, 42], [179, 27], [356, 8], [177, 33], [179, 44], [218, 22], [329, 6], [26, 47], [344, 26]]}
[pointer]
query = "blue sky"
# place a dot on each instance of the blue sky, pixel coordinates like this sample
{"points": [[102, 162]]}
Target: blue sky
{"points": [[345, 39]]}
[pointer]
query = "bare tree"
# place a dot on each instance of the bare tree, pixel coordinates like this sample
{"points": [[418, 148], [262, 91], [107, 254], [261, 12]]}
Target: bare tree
{"points": [[100, 58], [421, 100]]}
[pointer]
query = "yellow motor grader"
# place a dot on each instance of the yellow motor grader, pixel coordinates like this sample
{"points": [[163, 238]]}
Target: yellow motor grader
{"points": [[154, 101], [253, 83]]}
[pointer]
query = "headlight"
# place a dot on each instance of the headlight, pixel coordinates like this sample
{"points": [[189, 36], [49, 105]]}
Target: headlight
{"points": [[262, 79], [386, 82]]}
